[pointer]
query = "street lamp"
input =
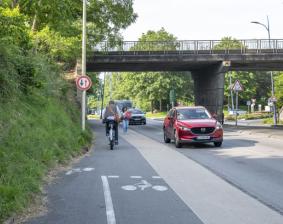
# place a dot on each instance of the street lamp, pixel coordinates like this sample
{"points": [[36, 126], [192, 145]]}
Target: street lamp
{"points": [[271, 73]]}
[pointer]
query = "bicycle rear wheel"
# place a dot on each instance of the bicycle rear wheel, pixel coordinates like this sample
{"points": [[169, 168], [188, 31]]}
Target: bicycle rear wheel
{"points": [[111, 138]]}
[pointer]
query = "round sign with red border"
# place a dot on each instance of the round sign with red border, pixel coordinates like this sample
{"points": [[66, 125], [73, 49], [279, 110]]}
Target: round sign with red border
{"points": [[83, 82]]}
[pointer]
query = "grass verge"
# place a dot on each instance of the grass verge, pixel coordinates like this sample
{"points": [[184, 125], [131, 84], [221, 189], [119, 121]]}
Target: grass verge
{"points": [[156, 115], [35, 134]]}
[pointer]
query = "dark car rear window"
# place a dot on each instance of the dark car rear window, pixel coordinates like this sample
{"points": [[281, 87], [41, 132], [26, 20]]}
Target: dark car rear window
{"points": [[192, 113]]}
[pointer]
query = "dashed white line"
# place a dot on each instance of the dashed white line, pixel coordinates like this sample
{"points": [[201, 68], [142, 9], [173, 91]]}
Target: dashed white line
{"points": [[112, 176], [108, 201], [156, 177], [136, 177], [88, 169]]}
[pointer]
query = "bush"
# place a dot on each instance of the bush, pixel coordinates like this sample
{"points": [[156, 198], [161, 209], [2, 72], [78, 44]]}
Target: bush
{"points": [[251, 116], [39, 125]]}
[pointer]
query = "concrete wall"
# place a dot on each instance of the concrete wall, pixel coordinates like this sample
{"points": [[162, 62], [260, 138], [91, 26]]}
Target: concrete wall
{"points": [[209, 88]]}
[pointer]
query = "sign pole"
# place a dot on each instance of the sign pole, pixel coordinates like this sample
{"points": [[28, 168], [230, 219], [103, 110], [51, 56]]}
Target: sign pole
{"points": [[84, 64], [237, 108]]}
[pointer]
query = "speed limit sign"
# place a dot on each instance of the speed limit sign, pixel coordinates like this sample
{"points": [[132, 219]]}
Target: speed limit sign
{"points": [[83, 82]]}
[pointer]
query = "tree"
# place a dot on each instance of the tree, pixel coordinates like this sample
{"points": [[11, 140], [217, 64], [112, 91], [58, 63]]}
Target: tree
{"points": [[58, 23], [228, 43], [150, 90], [279, 89]]}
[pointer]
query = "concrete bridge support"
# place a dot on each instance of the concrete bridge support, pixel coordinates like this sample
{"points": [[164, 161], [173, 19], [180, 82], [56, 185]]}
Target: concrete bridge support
{"points": [[209, 88]]}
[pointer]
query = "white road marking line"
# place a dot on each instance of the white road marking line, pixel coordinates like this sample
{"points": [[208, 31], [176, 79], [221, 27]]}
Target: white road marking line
{"points": [[156, 177], [69, 172], [108, 201], [160, 188], [129, 188], [136, 177], [113, 176], [87, 169]]}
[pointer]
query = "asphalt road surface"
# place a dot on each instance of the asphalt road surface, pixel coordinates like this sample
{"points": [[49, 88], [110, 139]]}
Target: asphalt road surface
{"points": [[144, 180]]}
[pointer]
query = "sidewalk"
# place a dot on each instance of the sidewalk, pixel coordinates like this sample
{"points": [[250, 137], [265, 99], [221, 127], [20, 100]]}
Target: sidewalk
{"points": [[264, 131]]}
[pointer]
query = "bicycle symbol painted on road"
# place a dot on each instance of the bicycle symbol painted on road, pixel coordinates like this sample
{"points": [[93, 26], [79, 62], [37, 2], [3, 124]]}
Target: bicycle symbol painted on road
{"points": [[142, 185]]}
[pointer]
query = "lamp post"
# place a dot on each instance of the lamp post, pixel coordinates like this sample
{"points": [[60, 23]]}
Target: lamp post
{"points": [[271, 73]]}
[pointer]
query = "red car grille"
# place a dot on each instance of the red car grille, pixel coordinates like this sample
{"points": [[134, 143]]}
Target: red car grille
{"points": [[202, 130]]}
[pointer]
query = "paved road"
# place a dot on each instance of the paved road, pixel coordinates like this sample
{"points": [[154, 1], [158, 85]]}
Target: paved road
{"points": [[147, 181]]}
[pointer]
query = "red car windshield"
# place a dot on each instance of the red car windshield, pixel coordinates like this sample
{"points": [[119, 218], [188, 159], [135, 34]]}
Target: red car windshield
{"points": [[192, 113]]}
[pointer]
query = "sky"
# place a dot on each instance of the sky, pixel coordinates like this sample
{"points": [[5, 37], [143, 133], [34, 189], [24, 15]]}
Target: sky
{"points": [[207, 19]]}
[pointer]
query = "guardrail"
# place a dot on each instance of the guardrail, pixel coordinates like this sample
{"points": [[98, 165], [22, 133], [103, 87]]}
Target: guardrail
{"points": [[255, 46]]}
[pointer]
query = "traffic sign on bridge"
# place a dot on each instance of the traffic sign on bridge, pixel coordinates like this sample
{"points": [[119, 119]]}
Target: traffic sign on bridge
{"points": [[237, 86], [83, 82]]}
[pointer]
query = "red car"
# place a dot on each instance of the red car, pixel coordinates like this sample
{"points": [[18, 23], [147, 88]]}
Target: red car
{"points": [[191, 124]]}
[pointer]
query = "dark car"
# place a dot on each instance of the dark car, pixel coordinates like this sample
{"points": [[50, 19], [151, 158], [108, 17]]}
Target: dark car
{"points": [[191, 124], [137, 117]]}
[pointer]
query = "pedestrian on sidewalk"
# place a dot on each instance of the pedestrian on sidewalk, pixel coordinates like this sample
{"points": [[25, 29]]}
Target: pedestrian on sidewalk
{"points": [[126, 117]]}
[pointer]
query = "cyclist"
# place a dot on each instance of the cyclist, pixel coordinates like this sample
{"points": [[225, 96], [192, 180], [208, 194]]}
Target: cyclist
{"points": [[111, 112]]}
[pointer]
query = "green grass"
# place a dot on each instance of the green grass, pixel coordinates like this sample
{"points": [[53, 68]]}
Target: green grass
{"points": [[93, 116], [156, 115], [35, 134], [250, 116], [271, 121]]}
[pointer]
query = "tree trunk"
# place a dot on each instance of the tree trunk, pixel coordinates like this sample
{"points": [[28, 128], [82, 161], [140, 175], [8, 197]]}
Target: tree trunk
{"points": [[160, 105], [14, 3], [34, 22], [152, 106]]}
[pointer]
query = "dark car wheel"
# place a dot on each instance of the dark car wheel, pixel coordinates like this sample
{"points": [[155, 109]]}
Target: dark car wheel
{"points": [[177, 141], [166, 140], [217, 144]]}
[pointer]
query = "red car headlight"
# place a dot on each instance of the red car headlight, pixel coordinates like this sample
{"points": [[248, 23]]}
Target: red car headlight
{"points": [[218, 126]]}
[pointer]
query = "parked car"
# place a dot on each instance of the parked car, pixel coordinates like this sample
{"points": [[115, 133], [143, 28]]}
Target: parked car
{"points": [[191, 124], [137, 117]]}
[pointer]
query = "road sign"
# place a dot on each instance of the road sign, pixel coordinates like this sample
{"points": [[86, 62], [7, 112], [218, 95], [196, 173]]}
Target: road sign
{"points": [[226, 63], [83, 82], [237, 86]]}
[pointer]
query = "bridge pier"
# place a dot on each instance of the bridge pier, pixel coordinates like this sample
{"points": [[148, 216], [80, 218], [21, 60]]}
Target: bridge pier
{"points": [[209, 88]]}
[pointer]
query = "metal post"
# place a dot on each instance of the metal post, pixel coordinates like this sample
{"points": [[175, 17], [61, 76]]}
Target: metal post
{"points": [[84, 64], [102, 97], [110, 86], [274, 103], [231, 92], [267, 27], [236, 108]]}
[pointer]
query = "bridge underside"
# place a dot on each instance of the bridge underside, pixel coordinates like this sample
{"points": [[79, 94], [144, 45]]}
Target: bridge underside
{"points": [[207, 69], [182, 62]]}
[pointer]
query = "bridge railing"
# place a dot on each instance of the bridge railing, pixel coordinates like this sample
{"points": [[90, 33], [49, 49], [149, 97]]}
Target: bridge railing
{"points": [[257, 46]]}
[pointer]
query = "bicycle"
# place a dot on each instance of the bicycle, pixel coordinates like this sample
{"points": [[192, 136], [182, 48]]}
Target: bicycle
{"points": [[111, 135]]}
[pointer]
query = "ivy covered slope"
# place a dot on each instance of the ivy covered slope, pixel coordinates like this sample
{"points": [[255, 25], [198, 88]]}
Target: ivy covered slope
{"points": [[39, 119]]}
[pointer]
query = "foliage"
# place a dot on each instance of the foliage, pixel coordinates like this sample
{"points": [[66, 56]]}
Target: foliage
{"points": [[251, 116], [39, 122], [39, 126], [279, 90], [159, 115], [256, 84], [228, 43], [150, 90], [156, 41], [56, 46], [13, 28]]}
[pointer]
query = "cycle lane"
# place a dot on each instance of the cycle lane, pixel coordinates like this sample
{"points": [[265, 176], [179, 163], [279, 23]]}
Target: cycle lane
{"points": [[137, 193]]}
